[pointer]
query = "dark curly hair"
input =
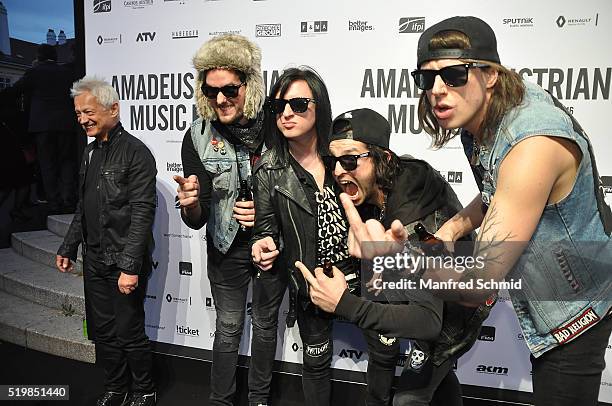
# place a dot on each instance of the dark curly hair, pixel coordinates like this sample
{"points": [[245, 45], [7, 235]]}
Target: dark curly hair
{"points": [[386, 166]]}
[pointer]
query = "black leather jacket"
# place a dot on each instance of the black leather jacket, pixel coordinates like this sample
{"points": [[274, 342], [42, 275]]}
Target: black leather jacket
{"points": [[126, 198], [420, 194], [285, 214]]}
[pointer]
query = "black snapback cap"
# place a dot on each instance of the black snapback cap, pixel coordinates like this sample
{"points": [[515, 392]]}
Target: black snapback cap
{"points": [[481, 35], [363, 125]]}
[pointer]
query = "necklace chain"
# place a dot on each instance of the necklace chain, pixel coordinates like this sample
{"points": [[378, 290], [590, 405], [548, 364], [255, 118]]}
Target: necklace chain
{"points": [[381, 216]]}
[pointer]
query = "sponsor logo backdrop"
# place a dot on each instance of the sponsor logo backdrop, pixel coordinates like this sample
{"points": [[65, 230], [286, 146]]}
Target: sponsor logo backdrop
{"points": [[365, 53]]}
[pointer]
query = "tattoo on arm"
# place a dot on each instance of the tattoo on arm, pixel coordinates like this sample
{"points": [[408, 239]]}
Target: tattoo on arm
{"points": [[491, 249]]}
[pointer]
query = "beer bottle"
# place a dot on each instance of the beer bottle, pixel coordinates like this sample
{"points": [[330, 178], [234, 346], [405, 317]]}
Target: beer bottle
{"points": [[327, 269], [244, 195], [430, 244]]}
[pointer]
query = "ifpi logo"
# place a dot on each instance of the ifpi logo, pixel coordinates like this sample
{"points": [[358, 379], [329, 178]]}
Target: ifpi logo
{"points": [[101, 6]]}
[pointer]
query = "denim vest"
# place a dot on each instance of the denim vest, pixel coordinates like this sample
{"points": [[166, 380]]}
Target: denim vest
{"points": [[567, 266], [223, 163]]}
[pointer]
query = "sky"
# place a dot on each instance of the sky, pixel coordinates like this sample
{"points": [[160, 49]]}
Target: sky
{"points": [[29, 20]]}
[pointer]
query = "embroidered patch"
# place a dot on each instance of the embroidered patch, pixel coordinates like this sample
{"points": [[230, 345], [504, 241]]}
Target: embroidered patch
{"points": [[316, 350], [576, 326], [418, 358], [387, 340]]}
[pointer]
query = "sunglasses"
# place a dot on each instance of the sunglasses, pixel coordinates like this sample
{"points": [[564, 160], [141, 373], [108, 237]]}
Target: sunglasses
{"points": [[347, 162], [228, 91], [453, 76], [297, 104]]}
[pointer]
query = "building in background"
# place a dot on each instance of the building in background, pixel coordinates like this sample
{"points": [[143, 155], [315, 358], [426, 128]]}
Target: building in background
{"points": [[16, 55]]}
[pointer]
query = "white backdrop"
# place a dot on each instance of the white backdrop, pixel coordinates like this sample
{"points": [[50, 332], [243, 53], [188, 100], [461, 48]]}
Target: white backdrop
{"points": [[364, 51]]}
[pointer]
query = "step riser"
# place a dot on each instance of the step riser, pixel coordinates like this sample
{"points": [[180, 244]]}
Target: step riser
{"points": [[59, 224], [56, 300], [56, 346], [31, 325], [84, 352], [12, 334], [40, 255]]}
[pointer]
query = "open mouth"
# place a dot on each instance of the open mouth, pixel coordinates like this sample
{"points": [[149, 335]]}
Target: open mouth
{"points": [[442, 112], [350, 188]]}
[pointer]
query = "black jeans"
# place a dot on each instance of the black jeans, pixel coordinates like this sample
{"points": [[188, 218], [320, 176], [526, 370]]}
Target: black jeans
{"points": [[115, 322], [383, 355], [229, 275], [570, 374], [316, 334], [443, 389]]}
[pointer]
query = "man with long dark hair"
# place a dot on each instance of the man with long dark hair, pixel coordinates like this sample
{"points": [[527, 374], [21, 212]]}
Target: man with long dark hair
{"points": [[299, 216]]}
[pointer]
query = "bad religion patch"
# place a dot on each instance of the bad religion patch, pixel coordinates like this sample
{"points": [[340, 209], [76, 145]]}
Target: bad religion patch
{"points": [[574, 327]]}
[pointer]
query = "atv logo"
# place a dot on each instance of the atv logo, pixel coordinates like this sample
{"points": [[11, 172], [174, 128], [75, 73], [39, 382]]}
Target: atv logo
{"points": [[352, 354]]}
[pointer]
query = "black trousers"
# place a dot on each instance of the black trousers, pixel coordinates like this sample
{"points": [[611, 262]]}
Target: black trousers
{"points": [[570, 374], [229, 275], [115, 322], [56, 152]]}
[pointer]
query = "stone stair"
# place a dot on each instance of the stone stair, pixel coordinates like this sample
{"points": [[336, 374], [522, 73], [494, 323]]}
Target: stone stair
{"points": [[42, 309]]}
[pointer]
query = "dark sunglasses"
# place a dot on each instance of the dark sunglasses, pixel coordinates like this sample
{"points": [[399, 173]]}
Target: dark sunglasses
{"points": [[347, 162], [297, 104], [228, 91], [453, 76]]}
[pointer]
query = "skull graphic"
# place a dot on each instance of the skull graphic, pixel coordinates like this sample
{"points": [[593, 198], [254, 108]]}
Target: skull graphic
{"points": [[417, 358]]}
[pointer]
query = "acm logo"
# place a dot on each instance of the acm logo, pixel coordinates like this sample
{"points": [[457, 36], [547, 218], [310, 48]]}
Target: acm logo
{"points": [[492, 370], [145, 37]]}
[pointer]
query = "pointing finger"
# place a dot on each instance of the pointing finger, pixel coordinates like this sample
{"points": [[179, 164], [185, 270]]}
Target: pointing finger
{"points": [[307, 274]]}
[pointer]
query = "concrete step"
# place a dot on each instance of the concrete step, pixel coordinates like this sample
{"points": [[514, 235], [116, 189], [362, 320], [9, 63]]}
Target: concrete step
{"points": [[59, 224], [45, 329], [41, 247], [41, 284]]}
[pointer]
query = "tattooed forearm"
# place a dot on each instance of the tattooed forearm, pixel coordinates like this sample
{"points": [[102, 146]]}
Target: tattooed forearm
{"points": [[491, 246]]}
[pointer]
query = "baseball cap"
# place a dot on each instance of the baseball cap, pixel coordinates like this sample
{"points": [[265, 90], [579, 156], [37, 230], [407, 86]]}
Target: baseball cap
{"points": [[363, 125], [482, 40]]}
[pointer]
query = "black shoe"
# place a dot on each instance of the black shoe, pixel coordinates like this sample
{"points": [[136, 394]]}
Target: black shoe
{"points": [[112, 399], [142, 399]]}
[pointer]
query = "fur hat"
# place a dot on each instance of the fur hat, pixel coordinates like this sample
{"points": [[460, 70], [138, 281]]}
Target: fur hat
{"points": [[235, 52]]}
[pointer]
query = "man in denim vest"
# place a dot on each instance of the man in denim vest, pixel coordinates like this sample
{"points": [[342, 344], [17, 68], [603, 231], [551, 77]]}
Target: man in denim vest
{"points": [[542, 216], [218, 153]]}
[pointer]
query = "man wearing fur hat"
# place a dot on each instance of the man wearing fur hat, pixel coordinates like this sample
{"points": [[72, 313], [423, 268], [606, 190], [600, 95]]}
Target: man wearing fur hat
{"points": [[218, 152]]}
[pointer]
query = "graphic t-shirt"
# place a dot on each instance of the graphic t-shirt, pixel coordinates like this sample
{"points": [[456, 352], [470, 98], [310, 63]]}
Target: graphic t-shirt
{"points": [[332, 228]]}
